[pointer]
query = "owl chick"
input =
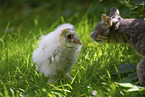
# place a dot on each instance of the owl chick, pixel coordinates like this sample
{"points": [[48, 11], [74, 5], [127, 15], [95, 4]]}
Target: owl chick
{"points": [[57, 52]]}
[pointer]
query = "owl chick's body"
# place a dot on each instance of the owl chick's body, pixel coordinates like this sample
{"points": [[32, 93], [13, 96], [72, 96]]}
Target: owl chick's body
{"points": [[56, 55]]}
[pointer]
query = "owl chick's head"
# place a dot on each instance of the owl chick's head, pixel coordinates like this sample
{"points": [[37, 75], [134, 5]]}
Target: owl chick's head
{"points": [[68, 36]]}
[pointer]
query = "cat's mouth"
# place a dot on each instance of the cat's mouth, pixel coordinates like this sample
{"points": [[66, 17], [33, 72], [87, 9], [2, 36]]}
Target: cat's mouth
{"points": [[98, 38]]}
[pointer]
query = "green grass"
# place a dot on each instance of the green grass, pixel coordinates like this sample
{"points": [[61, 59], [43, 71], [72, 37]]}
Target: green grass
{"points": [[93, 73]]}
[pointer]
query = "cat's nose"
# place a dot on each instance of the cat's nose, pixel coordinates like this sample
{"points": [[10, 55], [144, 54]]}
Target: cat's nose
{"points": [[92, 34]]}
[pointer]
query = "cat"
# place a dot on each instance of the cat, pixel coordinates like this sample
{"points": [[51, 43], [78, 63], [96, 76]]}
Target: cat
{"points": [[115, 29]]}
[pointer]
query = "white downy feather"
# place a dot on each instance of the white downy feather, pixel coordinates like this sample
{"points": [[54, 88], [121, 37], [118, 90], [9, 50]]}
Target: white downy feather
{"points": [[52, 57]]}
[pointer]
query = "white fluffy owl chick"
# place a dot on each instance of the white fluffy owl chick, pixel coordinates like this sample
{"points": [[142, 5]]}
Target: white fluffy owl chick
{"points": [[57, 51]]}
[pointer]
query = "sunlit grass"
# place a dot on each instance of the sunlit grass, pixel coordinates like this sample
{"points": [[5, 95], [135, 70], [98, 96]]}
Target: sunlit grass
{"points": [[93, 72]]}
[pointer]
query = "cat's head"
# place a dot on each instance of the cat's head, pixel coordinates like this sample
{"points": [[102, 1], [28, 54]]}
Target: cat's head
{"points": [[101, 30]]}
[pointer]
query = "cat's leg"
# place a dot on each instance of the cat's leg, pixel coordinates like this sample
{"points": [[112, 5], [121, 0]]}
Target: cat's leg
{"points": [[141, 71]]}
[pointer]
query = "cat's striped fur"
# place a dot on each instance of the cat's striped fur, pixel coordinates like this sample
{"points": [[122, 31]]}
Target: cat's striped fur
{"points": [[114, 29]]}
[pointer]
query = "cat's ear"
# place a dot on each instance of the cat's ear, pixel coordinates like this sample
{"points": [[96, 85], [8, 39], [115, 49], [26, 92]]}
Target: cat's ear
{"points": [[114, 12], [106, 19]]}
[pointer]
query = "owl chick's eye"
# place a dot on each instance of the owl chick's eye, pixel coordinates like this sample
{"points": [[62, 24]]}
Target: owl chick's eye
{"points": [[69, 36]]}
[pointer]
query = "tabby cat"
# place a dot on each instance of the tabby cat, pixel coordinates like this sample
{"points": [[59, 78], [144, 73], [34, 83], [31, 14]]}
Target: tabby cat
{"points": [[115, 29]]}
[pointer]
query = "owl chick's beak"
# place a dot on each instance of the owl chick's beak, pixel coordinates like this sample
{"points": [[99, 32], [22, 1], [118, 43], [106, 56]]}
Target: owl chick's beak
{"points": [[77, 41]]}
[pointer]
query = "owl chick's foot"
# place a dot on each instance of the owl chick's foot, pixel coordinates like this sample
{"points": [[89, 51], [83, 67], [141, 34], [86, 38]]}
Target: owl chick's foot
{"points": [[51, 81], [55, 78], [69, 76], [141, 71]]}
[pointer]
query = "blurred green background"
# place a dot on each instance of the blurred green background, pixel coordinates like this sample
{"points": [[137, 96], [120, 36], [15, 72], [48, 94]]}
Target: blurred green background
{"points": [[22, 13]]}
